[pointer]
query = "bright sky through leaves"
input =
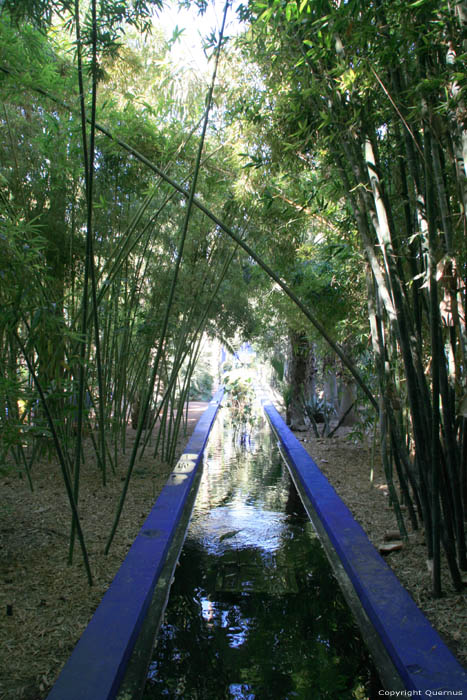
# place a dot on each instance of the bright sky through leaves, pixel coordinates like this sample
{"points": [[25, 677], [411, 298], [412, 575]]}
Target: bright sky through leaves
{"points": [[188, 48]]}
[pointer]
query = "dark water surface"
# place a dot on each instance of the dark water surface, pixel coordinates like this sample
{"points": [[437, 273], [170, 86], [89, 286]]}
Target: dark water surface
{"points": [[254, 611]]}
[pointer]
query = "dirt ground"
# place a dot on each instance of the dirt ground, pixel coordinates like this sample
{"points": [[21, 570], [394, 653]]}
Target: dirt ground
{"points": [[45, 604], [348, 466]]}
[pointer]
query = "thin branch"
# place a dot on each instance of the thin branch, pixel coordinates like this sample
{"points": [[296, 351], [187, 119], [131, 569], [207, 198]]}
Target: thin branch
{"points": [[386, 92], [61, 458], [313, 320]]}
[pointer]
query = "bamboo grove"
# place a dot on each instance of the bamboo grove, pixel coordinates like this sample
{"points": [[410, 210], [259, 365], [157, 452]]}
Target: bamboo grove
{"points": [[106, 296], [373, 95], [138, 206]]}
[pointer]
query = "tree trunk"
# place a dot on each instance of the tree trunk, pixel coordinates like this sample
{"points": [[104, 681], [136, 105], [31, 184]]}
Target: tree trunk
{"points": [[297, 376], [348, 398], [330, 382]]}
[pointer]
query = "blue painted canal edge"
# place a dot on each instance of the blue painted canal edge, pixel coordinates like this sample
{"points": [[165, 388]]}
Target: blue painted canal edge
{"points": [[410, 656], [97, 665]]}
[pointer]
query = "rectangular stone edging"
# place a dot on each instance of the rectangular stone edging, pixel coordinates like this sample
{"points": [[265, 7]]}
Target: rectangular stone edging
{"points": [[420, 657], [97, 664]]}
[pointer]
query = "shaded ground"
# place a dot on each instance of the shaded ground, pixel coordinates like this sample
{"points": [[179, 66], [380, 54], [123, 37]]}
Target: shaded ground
{"points": [[348, 466], [45, 605]]}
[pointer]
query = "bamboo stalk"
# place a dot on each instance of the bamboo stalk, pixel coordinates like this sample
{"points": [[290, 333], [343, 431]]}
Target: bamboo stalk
{"points": [[231, 233], [172, 288], [61, 459], [435, 371]]}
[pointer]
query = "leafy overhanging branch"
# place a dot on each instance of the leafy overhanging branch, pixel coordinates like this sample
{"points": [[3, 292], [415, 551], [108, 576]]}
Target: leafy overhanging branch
{"points": [[229, 231]]}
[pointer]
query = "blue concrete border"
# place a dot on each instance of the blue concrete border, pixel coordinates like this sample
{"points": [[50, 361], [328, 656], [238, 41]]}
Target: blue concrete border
{"points": [[97, 665], [421, 659]]}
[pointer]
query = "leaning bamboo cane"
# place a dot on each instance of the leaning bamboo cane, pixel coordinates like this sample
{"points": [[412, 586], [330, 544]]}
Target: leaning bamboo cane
{"points": [[61, 458], [172, 289], [229, 231]]}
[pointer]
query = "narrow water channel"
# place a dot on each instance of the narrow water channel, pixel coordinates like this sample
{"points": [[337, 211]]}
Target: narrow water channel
{"points": [[255, 611]]}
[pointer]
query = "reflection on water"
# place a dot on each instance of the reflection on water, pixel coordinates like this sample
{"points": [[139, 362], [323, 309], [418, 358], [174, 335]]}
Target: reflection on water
{"points": [[254, 611]]}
